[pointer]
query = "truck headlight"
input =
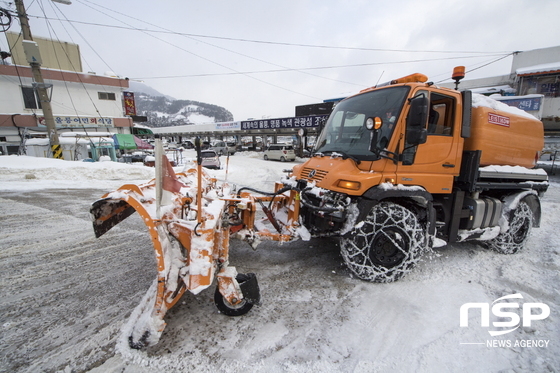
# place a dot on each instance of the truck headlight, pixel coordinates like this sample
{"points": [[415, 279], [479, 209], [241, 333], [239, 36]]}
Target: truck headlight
{"points": [[347, 184]]}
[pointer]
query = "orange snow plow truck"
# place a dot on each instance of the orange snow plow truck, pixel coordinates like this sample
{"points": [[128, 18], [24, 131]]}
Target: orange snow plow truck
{"points": [[397, 169]]}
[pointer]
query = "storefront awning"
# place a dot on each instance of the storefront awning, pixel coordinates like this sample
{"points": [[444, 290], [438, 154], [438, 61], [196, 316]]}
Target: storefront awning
{"points": [[495, 89], [124, 142], [141, 131], [546, 68], [141, 144], [129, 142]]}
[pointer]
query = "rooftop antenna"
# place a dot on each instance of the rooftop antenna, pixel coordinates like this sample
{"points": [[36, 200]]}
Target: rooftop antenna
{"points": [[376, 83]]}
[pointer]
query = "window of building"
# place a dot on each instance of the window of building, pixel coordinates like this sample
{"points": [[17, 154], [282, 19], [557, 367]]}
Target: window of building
{"points": [[106, 96], [547, 85], [12, 149], [30, 98]]}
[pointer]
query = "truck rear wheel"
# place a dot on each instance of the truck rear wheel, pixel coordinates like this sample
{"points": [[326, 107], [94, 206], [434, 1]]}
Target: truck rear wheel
{"points": [[519, 229], [385, 245]]}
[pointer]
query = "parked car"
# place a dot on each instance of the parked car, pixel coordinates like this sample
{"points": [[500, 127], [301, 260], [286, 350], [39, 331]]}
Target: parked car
{"points": [[188, 144], [232, 147], [138, 156], [281, 152], [249, 146], [210, 159], [224, 148]]}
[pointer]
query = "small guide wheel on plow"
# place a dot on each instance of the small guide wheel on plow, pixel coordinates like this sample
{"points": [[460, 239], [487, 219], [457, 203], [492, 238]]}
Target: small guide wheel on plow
{"points": [[188, 218], [249, 288]]}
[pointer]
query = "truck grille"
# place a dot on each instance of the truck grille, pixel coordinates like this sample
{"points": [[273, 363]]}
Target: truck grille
{"points": [[313, 174]]}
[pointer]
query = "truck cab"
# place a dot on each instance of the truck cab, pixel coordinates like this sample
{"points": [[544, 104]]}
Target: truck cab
{"points": [[387, 154]]}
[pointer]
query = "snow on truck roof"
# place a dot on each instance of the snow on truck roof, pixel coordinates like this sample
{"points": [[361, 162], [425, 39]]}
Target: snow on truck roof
{"points": [[479, 100]]}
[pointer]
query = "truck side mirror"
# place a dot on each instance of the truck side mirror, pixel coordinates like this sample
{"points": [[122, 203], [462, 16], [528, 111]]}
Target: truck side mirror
{"points": [[416, 136], [416, 122]]}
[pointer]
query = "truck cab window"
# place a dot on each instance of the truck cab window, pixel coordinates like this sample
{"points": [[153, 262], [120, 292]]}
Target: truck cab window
{"points": [[345, 132], [440, 117]]}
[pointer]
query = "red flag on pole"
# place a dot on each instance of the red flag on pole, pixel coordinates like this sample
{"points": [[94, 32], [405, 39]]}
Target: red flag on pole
{"points": [[169, 180]]}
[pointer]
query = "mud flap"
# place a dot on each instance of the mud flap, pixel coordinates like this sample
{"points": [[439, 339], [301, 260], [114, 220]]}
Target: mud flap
{"points": [[108, 212], [249, 287]]}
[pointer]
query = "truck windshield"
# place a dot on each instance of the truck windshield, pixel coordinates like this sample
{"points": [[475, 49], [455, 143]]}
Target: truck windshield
{"points": [[345, 132]]}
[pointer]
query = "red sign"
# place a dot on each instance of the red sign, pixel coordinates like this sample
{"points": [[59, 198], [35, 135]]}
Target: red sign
{"points": [[129, 104], [498, 119]]}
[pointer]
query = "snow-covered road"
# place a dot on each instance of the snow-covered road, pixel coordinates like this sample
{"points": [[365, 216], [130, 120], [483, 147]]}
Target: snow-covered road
{"points": [[65, 294]]}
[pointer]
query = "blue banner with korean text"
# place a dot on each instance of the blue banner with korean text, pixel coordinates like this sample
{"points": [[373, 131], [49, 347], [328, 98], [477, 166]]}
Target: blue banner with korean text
{"points": [[282, 123], [527, 104]]}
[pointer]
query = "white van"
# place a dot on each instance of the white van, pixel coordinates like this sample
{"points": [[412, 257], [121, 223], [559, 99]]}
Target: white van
{"points": [[281, 152]]}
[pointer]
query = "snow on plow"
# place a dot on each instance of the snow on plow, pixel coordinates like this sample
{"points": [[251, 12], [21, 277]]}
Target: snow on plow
{"points": [[190, 218]]}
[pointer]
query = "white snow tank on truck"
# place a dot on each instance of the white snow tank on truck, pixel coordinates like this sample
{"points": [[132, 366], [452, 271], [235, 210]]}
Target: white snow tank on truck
{"points": [[399, 167]]}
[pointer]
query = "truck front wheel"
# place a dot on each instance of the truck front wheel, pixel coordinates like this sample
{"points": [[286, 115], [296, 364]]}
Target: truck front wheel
{"points": [[385, 245], [519, 228]]}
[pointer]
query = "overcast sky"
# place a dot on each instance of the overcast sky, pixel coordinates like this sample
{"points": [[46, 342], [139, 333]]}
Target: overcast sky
{"points": [[260, 58]]}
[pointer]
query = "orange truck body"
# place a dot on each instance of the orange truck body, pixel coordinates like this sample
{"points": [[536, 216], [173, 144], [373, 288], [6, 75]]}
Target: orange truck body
{"points": [[505, 138]]}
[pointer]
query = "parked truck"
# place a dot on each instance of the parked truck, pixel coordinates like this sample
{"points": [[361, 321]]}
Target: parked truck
{"points": [[397, 169]]}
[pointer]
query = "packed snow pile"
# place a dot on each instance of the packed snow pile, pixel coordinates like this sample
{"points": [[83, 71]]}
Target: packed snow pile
{"points": [[38, 173], [514, 170]]}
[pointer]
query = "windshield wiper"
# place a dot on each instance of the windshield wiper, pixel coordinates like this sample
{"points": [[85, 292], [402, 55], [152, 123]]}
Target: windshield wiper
{"points": [[391, 156], [343, 154]]}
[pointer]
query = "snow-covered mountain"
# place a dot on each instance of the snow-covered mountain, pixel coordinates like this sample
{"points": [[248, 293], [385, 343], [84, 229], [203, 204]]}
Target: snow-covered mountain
{"points": [[140, 87], [163, 110]]}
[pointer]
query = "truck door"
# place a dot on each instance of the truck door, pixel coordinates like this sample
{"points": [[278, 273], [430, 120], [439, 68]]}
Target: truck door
{"points": [[433, 164]]}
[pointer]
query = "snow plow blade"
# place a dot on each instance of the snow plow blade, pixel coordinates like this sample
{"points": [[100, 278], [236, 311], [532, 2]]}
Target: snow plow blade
{"points": [[190, 218], [107, 213]]}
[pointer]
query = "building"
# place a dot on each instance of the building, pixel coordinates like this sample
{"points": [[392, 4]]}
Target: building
{"points": [[534, 72], [83, 102]]}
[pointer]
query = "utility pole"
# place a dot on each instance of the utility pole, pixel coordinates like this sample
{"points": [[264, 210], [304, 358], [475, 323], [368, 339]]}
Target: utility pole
{"points": [[40, 85]]}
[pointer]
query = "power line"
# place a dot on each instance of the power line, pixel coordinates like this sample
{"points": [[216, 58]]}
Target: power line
{"points": [[483, 65], [51, 28], [229, 50], [199, 56], [235, 72], [85, 40], [164, 31], [491, 62], [249, 74], [315, 68]]}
